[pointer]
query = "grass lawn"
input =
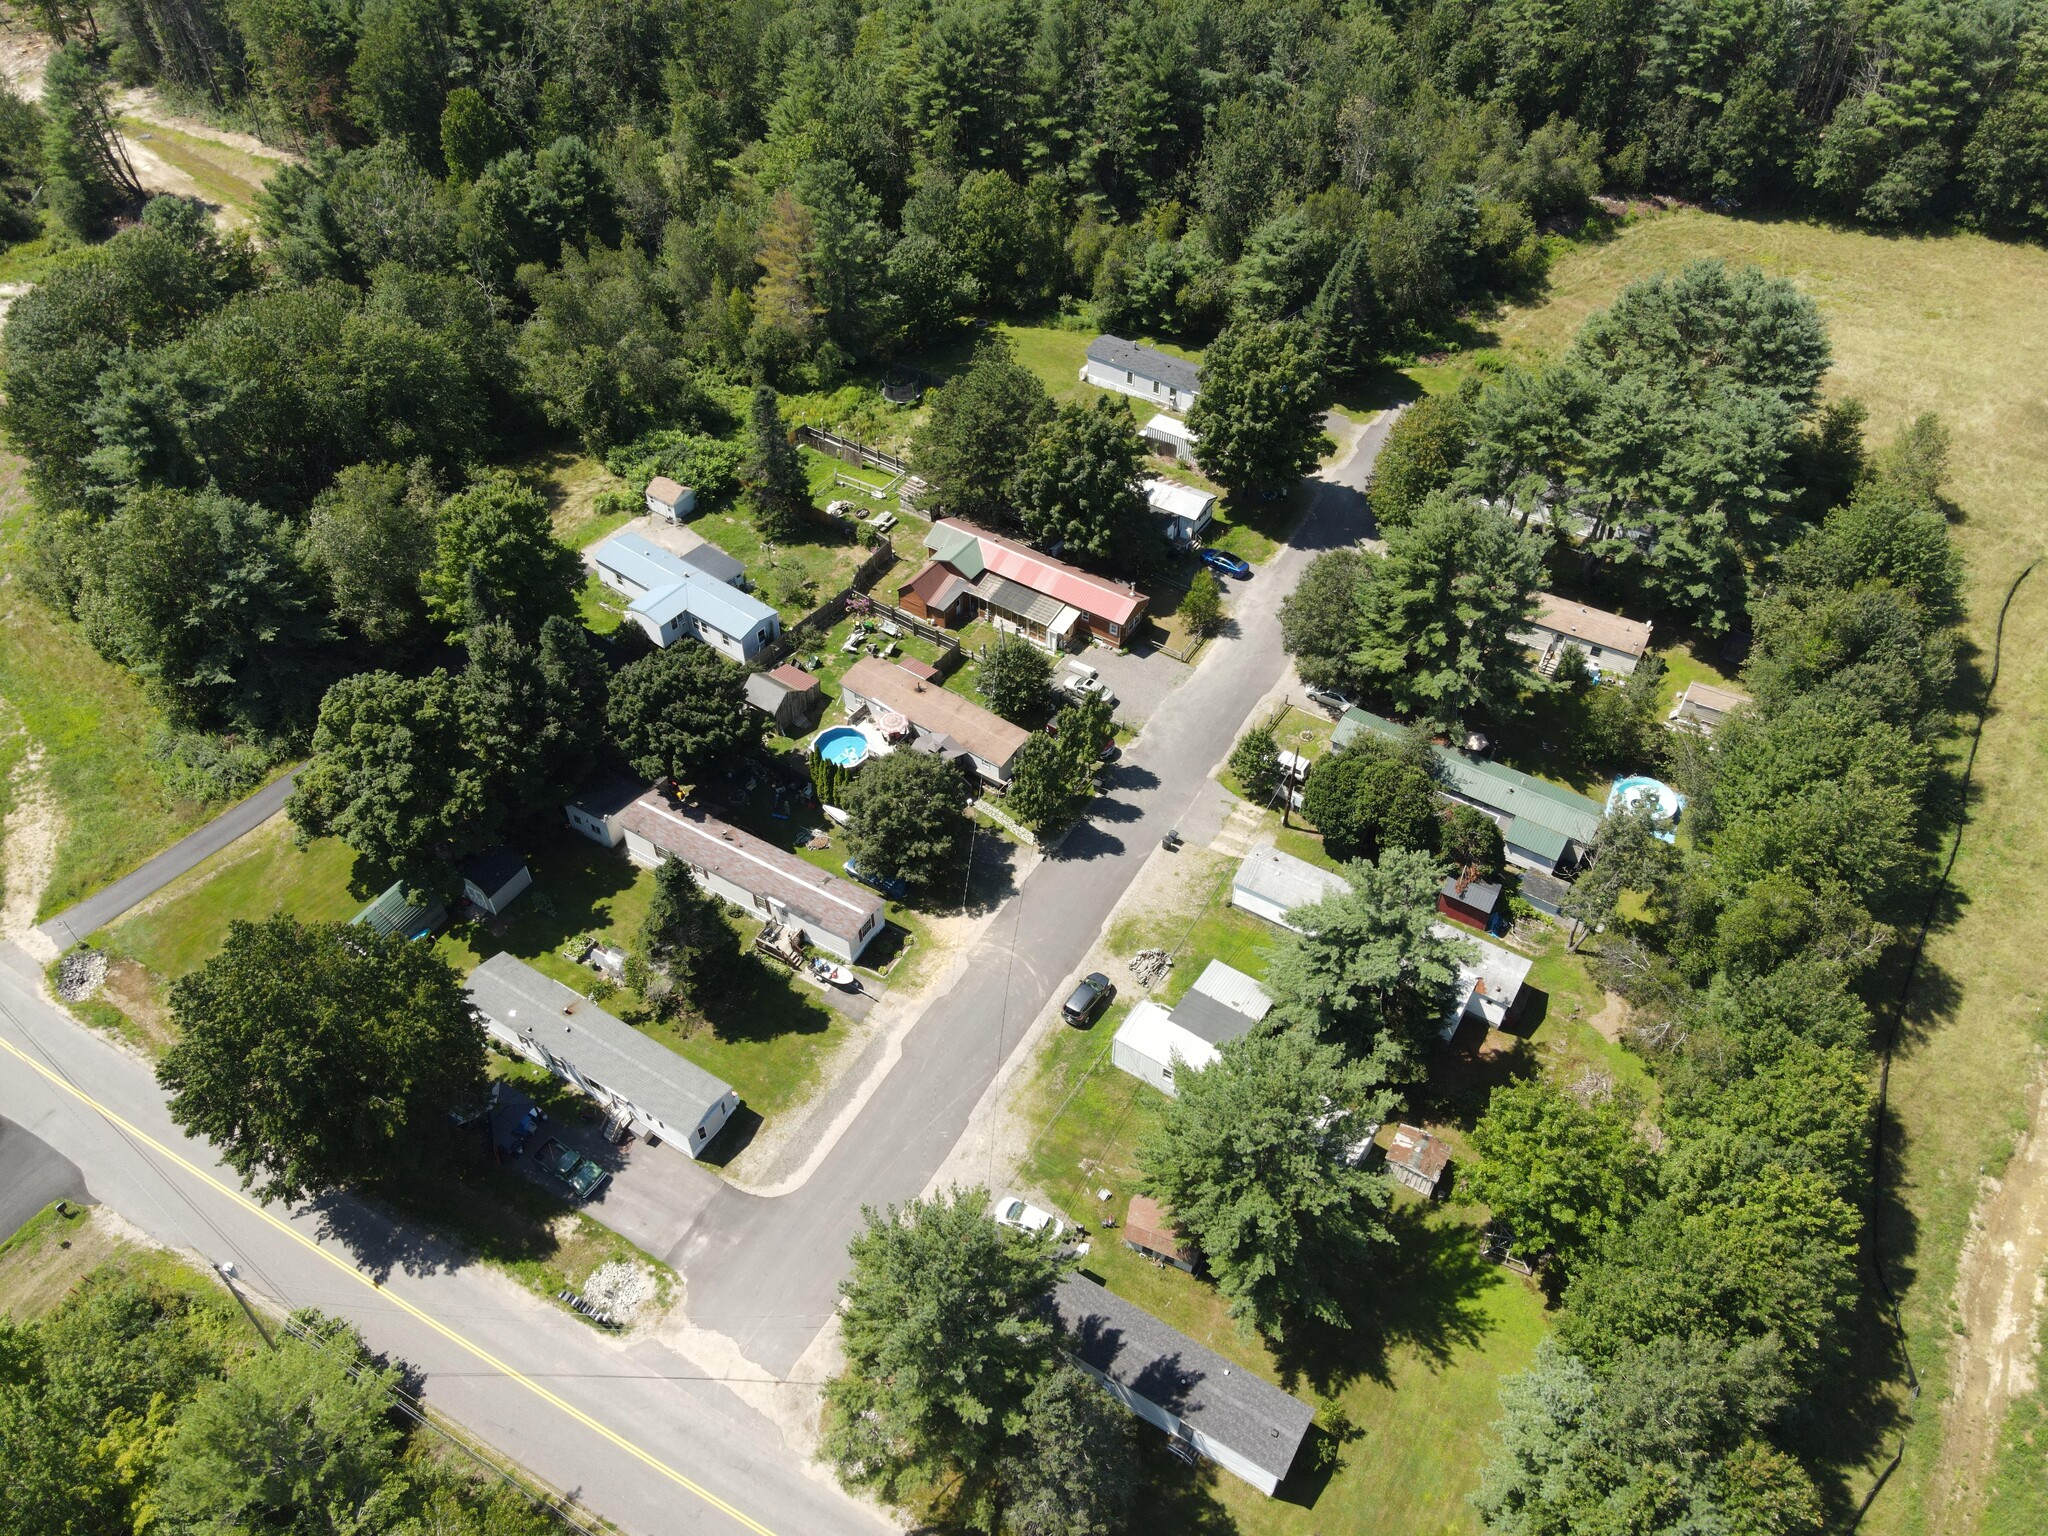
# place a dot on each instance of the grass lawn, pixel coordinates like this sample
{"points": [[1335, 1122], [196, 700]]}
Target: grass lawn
{"points": [[1959, 325], [2018, 1503], [793, 578], [45, 1260], [93, 723], [224, 174], [1417, 1375], [27, 260], [261, 874], [570, 481]]}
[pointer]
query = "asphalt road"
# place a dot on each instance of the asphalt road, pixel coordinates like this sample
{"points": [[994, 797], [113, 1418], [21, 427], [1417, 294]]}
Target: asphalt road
{"points": [[620, 1423], [74, 923], [765, 1272], [32, 1175]]}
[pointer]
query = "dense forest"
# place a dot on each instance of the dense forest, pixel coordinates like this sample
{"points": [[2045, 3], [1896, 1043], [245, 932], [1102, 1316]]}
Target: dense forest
{"points": [[611, 219]]}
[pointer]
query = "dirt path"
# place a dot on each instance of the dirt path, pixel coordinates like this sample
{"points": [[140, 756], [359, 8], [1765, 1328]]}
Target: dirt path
{"points": [[28, 853], [171, 153], [1998, 1301]]}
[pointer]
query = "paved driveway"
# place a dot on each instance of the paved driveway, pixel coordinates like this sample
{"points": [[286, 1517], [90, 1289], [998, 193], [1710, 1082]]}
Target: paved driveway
{"points": [[765, 1272], [32, 1175]]}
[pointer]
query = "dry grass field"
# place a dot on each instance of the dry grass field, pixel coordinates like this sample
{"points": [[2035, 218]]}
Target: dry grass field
{"points": [[1957, 325]]}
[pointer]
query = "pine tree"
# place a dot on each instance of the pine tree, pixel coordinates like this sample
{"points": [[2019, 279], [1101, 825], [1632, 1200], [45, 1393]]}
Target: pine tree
{"points": [[778, 491], [86, 172]]}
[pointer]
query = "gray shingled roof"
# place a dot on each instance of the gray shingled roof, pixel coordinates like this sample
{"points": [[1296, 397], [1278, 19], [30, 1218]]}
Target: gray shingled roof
{"points": [[1226, 1402], [1146, 363], [609, 1050]]}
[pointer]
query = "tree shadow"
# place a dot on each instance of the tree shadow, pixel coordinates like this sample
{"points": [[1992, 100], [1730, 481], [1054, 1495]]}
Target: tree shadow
{"points": [[1337, 516], [1419, 1292], [1085, 840]]}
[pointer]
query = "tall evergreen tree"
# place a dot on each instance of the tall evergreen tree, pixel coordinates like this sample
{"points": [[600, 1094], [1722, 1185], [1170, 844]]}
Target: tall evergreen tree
{"points": [[87, 174], [778, 491]]}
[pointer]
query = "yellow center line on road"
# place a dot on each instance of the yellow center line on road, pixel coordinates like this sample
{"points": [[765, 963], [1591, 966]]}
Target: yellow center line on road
{"points": [[647, 1458]]}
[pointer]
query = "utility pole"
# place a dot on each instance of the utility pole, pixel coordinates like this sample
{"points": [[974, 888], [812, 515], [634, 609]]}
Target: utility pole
{"points": [[226, 1269]]}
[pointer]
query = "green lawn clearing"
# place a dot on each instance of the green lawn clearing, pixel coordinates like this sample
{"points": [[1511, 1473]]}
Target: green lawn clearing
{"points": [[1956, 324], [93, 724], [257, 876], [793, 578], [225, 175], [570, 482]]}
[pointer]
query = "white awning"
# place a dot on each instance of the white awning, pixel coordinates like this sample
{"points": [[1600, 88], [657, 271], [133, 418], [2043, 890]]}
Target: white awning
{"points": [[1063, 623]]}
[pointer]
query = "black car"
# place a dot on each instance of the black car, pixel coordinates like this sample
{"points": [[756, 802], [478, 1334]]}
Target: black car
{"points": [[1088, 999]]}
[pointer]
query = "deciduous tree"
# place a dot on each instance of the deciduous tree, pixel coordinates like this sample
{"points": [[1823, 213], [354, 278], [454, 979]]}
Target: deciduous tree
{"points": [[369, 540], [1423, 451], [1015, 677], [676, 711], [1557, 1171], [1320, 618], [309, 1054], [390, 773], [496, 557], [946, 1334], [977, 430], [1374, 795], [1260, 411], [1249, 1159], [1255, 763], [909, 815], [1077, 485]]}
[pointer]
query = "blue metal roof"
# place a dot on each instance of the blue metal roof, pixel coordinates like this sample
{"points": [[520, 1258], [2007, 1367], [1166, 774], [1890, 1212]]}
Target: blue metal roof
{"points": [[675, 587]]}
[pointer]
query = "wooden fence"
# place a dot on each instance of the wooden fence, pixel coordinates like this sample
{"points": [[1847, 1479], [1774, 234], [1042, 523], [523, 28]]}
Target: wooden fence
{"points": [[849, 451]]}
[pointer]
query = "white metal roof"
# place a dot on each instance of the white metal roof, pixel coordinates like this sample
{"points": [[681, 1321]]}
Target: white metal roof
{"points": [[1150, 1031], [1171, 428], [1173, 499], [1232, 988]]}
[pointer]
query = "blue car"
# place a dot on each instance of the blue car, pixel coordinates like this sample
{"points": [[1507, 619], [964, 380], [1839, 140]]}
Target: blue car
{"points": [[890, 887], [1229, 565]]}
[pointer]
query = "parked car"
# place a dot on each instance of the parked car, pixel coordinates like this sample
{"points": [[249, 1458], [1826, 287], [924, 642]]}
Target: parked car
{"points": [[1330, 700], [1094, 993], [575, 1170], [1079, 684], [1011, 1211], [889, 885], [1228, 565]]}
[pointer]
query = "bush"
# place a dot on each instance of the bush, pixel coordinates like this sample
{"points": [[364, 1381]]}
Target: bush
{"points": [[198, 766], [1202, 608], [708, 465]]}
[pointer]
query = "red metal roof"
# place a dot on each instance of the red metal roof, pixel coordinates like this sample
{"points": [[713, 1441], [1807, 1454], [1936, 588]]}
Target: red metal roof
{"points": [[1105, 599], [795, 677]]}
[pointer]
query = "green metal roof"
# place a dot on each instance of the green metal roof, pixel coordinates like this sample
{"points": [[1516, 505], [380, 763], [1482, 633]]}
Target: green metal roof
{"points": [[956, 547], [1533, 803], [1541, 841], [397, 911]]}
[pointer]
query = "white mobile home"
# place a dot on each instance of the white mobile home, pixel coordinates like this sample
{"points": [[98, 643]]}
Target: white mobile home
{"points": [[1146, 373], [1270, 884], [1152, 1044], [661, 1093], [1610, 642], [834, 914], [673, 599], [1246, 1425], [1185, 510]]}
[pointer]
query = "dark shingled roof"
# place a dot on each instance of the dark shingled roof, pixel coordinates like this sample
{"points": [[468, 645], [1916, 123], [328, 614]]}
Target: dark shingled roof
{"points": [[489, 870], [1146, 363], [1226, 1402], [1214, 1021], [715, 562]]}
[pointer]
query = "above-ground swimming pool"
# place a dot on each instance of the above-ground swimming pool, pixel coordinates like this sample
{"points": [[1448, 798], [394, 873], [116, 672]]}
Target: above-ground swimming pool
{"points": [[843, 745], [1669, 802]]}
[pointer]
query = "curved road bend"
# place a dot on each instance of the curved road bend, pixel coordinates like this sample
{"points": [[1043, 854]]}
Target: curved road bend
{"points": [[622, 1424], [765, 1272]]}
